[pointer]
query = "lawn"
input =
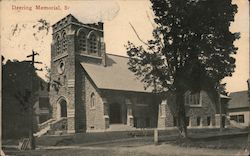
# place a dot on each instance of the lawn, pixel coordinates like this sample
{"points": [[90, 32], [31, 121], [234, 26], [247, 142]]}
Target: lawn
{"points": [[87, 139], [201, 142], [232, 142], [147, 150]]}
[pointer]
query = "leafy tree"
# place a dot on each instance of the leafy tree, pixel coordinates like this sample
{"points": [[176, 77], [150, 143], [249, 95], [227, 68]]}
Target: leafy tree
{"points": [[192, 49], [16, 97]]}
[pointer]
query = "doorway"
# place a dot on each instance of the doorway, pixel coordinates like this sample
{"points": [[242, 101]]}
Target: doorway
{"points": [[115, 113]]}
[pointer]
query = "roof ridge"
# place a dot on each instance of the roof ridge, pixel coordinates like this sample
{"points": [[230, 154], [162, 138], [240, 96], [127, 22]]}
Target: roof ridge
{"points": [[239, 91]]}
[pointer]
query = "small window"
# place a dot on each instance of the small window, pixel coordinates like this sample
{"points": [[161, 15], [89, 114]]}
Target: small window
{"points": [[241, 118], [237, 118], [106, 109], [208, 120], [198, 121], [92, 100]]}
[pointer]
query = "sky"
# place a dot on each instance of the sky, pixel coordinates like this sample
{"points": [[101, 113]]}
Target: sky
{"points": [[19, 29]]}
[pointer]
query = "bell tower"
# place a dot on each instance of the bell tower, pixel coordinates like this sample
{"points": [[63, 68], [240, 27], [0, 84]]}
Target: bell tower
{"points": [[72, 43]]}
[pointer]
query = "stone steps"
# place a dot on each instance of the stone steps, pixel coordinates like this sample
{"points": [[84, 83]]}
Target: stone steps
{"points": [[48, 127], [42, 132]]}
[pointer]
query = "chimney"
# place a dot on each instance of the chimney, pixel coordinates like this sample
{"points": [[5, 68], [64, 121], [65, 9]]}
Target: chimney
{"points": [[103, 52], [104, 59]]}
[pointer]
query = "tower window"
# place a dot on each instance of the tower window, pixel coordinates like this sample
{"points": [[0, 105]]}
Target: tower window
{"points": [[82, 41], [93, 46], [58, 46], [64, 42]]}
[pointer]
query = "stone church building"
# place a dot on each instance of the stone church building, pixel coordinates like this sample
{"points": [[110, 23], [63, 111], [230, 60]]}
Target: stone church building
{"points": [[93, 91]]}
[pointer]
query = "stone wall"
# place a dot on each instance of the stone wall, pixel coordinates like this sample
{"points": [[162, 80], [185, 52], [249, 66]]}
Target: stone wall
{"points": [[94, 114], [205, 111], [165, 117], [63, 83]]}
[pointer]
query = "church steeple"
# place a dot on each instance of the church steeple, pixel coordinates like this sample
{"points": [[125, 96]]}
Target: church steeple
{"points": [[73, 42]]}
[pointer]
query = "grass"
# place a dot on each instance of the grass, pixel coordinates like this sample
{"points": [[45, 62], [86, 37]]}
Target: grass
{"points": [[63, 152], [235, 142], [145, 150], [128, 144], [88, 138]]}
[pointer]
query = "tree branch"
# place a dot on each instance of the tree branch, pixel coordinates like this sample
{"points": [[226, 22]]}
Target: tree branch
{"points": [[137, 34]]}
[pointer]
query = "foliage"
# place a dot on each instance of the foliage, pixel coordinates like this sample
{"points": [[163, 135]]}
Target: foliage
{"points": [[186, 46], [192, 47], [16, 96]]}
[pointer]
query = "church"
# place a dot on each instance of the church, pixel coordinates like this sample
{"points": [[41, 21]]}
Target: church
{"points": [[92, 90]]}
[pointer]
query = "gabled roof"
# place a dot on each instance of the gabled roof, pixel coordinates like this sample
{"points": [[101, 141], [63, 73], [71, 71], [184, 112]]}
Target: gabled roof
{"points": [[115, 75], [239, 100]]}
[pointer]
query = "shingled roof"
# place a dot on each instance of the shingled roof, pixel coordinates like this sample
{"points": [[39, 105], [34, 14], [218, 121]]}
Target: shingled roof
{"points": [[115, 75], [239, 100]]}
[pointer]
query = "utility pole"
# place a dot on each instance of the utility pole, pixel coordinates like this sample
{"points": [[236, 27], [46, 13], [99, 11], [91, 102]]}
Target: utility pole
{"points": [[248, 84], [32, 144], [248, 142], [220, 107], [221, 123]]}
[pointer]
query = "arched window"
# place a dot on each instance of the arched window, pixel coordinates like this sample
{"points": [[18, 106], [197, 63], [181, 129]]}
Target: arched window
{"points": [[93, 44], [64, 42], [82, 41], [58, 46], [92, 100], [63, 105]]}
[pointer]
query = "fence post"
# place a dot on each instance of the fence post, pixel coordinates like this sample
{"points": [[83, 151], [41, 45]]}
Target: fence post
{"points": [[156, 139]]}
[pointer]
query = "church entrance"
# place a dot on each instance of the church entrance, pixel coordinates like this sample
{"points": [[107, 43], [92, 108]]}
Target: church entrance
{"points": [[115, 113], [63, 108]]}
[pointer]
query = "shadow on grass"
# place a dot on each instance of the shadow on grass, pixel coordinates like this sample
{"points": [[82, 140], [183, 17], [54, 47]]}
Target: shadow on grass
{"points": [[65, 142], [214, 142]]}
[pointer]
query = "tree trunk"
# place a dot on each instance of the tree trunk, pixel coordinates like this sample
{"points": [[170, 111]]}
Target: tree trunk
{"points": [[181, 114]]}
